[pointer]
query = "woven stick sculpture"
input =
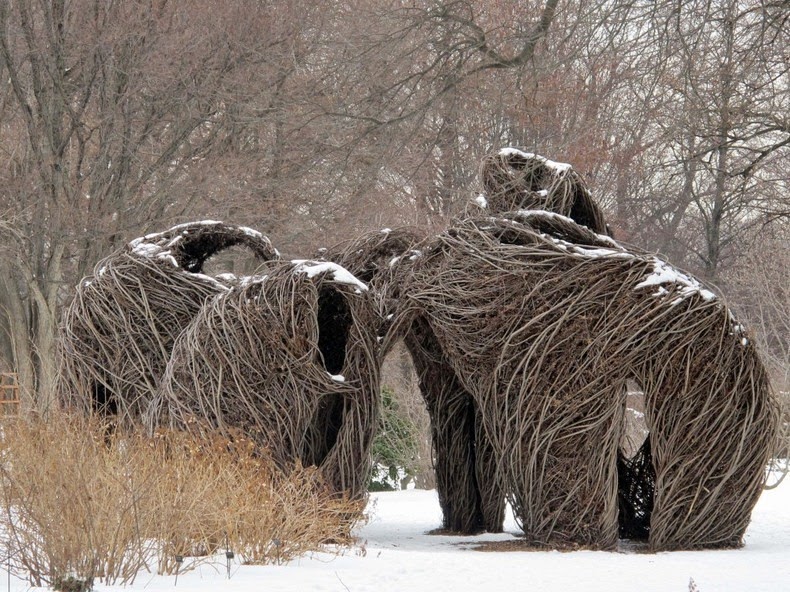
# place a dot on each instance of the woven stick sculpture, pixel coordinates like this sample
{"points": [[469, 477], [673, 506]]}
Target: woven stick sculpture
{"points": [[542, 322], [516, 180], [383, 258], [290, 359], [118, 331], [376, 258]]}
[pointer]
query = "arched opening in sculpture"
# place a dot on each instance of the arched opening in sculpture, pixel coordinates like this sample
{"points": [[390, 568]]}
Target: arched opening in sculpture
{"points": [[470, 494], [635, 472], [333, 318], [102, 400], [403, 455], [334, 322]]}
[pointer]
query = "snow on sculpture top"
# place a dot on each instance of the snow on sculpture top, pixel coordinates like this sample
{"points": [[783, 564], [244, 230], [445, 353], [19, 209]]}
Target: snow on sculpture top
{"points": [[515, 180]]}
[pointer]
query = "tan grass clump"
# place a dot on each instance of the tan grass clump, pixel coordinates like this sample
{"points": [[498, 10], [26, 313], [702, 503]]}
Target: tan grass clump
{"points": [[80, 504], [71, 505], [117, 333]]}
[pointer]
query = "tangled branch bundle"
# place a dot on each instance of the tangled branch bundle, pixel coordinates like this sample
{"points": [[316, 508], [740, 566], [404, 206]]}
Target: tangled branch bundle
{"points": [[375, 258], [525, 329], [116, 336], [290, 359], [516, 180]]}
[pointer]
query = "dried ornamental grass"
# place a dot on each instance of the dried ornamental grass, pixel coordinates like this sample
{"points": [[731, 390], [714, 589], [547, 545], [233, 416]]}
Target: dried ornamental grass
{"points": [[290, 359], [79, 505], [217, 492], [117, 333], [73, 502]]}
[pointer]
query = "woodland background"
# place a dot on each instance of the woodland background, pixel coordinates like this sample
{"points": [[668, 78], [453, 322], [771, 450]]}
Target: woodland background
{"points": [[314, 121]]}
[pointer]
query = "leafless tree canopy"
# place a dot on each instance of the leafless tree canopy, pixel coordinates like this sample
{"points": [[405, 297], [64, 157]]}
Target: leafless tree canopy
{"points": [[316, 122]]}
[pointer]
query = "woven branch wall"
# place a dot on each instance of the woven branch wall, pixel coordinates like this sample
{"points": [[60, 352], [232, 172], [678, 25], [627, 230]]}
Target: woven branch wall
{"points": [[515, 180], [376, 258], [525, 329], [290, 359], [117, 333]]}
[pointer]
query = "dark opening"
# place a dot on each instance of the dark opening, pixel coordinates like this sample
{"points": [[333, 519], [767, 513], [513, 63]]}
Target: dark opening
{"points": [[334, 321], [199, 247], [636, 480], [469, 489], [104, 401], [585, 210], [324, 430], [201, 242], [636, 476]]}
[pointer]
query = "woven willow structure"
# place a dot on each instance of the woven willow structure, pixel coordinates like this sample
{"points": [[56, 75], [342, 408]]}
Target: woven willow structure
{"points": [[515, 180], [117, 333], [377, 258], [290, 359], [525, 329]]}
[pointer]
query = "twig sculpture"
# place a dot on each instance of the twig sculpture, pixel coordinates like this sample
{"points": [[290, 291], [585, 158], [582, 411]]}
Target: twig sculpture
{"points": [[525, 329], [290, 359], [117, 333]]}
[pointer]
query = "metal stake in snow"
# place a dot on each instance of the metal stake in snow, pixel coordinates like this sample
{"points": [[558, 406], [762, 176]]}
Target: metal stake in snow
{"points": [[228, 554], [276, 543], [179, 561]]}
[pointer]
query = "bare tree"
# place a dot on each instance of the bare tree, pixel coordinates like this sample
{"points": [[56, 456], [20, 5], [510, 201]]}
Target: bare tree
{"points": [[314, 121], [719, 130], [108, 113]]}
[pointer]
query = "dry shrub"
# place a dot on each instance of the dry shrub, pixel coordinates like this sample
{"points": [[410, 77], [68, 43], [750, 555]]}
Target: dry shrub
{"points": [[221, 491], [298, 514], [82, 504], [72, 503]]}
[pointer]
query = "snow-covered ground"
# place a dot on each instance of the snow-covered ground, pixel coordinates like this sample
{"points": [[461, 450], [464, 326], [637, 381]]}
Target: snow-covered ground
{"points": [[395, 554]]}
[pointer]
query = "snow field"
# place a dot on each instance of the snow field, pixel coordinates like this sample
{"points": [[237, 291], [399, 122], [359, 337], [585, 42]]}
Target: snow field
{"points": [[395, 554]]}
